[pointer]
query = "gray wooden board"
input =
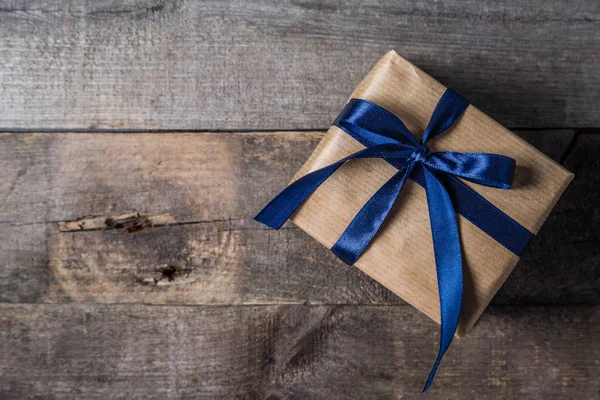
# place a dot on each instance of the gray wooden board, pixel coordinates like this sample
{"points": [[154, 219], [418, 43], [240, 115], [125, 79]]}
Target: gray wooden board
{"points": [[154, 218], [154, 64], [292, 352]]}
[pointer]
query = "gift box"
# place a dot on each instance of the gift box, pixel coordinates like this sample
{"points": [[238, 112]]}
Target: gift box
{"points": [[401, 256]]}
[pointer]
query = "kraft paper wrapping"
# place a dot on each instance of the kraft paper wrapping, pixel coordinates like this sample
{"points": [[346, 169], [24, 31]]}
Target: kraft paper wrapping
{"points": [[400, 257]]}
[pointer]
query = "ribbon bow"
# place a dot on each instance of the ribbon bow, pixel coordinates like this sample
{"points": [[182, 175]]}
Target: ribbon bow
{"points": [[385, 136]]}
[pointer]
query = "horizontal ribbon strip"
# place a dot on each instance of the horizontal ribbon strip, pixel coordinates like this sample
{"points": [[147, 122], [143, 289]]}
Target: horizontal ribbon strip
{"points": [[385, 136]]}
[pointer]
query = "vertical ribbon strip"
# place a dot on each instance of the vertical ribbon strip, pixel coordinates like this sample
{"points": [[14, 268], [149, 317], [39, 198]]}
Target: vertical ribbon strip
{"points": [[385, 136]]}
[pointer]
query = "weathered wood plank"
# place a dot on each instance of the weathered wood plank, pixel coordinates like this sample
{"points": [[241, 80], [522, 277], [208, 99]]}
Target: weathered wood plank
{"points": [[267, 64], [154, 218], [201, 189], [291, 352]]}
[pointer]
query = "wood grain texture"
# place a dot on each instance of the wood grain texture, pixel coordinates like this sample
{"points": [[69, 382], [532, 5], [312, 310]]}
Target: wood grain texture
{"points": [[268, 64], [291, 352], [152, 218]]}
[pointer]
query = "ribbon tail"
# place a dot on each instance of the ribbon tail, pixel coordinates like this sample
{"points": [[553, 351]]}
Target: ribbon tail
{"points": [[368, 220], [289, 199], [448, 261]]}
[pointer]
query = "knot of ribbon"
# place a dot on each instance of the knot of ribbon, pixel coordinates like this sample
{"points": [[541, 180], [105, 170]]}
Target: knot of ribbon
{"points": [[386, 137]]}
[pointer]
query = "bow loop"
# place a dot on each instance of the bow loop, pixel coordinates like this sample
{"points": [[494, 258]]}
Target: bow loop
{"points": [[360, 116], [446, 113], [482, 168]]}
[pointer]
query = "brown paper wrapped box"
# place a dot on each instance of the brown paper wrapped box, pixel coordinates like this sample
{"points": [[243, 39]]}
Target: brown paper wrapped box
{"points": [[400, 256]]}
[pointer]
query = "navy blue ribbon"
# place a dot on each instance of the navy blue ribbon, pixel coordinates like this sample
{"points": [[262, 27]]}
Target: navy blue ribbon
{"points": [[385, 136]]}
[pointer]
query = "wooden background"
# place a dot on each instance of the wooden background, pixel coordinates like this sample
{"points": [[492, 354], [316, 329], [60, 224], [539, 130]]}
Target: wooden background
{"points": [[139, 137]]}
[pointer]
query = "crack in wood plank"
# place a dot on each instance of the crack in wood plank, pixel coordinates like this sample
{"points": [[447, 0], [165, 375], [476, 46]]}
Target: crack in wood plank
{"points": [[130, 223]]}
